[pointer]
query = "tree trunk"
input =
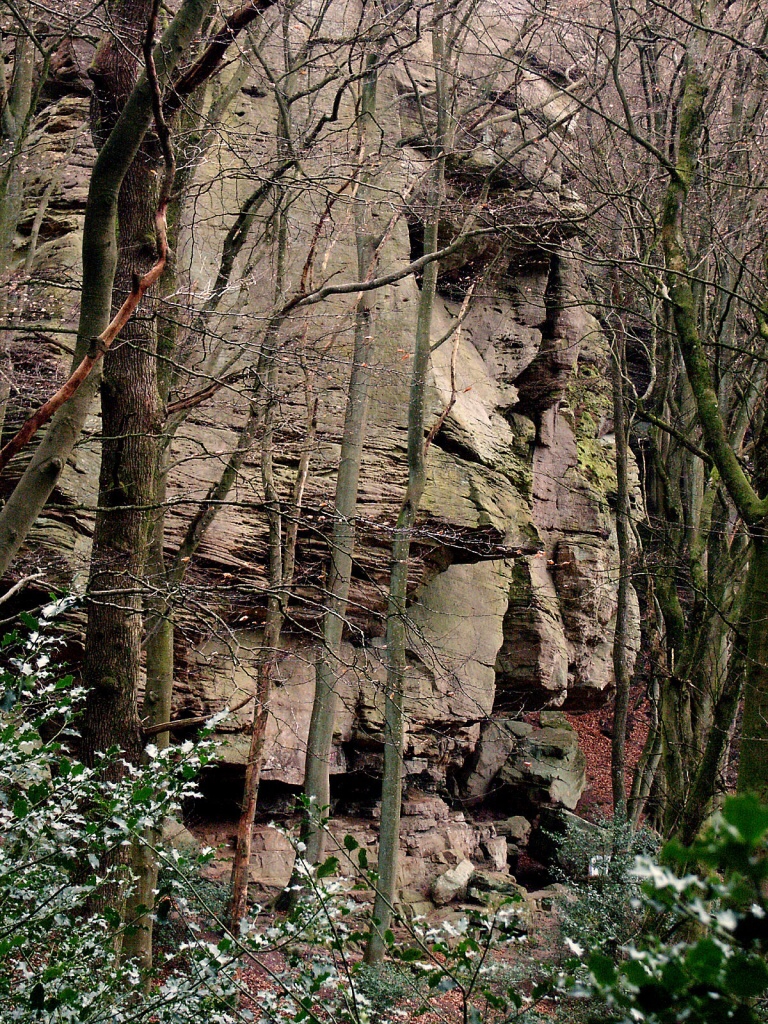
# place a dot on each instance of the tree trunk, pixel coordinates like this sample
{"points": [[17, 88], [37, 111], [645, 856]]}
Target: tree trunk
{"points": [[620, 638], [16, 109], [272, 629], [753, 752], [391, 794], [329, 667], [706, 784], [282, 559], [131, 424], [747, 494], [115, 157], [131, 421]]}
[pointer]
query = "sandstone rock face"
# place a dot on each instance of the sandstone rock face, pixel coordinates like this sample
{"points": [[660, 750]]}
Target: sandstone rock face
{"points": [[519, 765], [513, 581]]}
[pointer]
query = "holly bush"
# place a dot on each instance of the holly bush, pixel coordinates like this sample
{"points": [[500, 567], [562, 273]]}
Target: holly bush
{"points": [[704, 960]]}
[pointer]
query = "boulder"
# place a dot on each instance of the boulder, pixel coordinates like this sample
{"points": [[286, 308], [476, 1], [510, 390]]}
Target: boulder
{"points": [[516, 830], [547, 768], [452, 884], [533, 767], [492, 889], [179, 837], [546, 900], [497, 882], [498, 741], [495, 851], [412, 904]]}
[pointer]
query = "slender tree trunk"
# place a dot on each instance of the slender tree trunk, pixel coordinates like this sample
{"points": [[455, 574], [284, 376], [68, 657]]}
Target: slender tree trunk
{"points": [[623, 534], [281, 571], [706, 784], [648, 765], [273, 627], [329, 667], [15, 122], [753, 752], [282, 560], [156, 709], [391, 795]]}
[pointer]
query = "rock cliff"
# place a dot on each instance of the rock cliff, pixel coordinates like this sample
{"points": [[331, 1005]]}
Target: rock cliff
{"points": [[513, 583]]}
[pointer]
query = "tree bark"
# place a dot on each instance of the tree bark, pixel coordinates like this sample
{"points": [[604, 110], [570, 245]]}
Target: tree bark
{"points": [[391, 794], [115, 157], [746, 495], [329, 668], [623, 534]]}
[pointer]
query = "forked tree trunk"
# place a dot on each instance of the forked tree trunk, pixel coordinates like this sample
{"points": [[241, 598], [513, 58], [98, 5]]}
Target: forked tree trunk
{"points": [[748, 494]]}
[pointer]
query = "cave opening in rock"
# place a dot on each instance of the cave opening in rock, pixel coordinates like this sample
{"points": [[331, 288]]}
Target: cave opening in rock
{"points": [[221, 791]]}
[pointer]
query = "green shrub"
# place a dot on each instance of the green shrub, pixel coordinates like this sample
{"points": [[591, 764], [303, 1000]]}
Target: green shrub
{"points": [[389, 985], [708, 964], [60, 822], [603, 911]]}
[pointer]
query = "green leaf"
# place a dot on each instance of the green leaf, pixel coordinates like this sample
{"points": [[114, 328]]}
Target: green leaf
{"points": [[20, 807], [674, 977], [410, 954], [602, 969], [362, 859], [746, 976], [654, 998], [328, 868], [351, 843], [635, 973], [31, 623], [704, 961], [747, 815], [37, 792], [112, 917]]}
